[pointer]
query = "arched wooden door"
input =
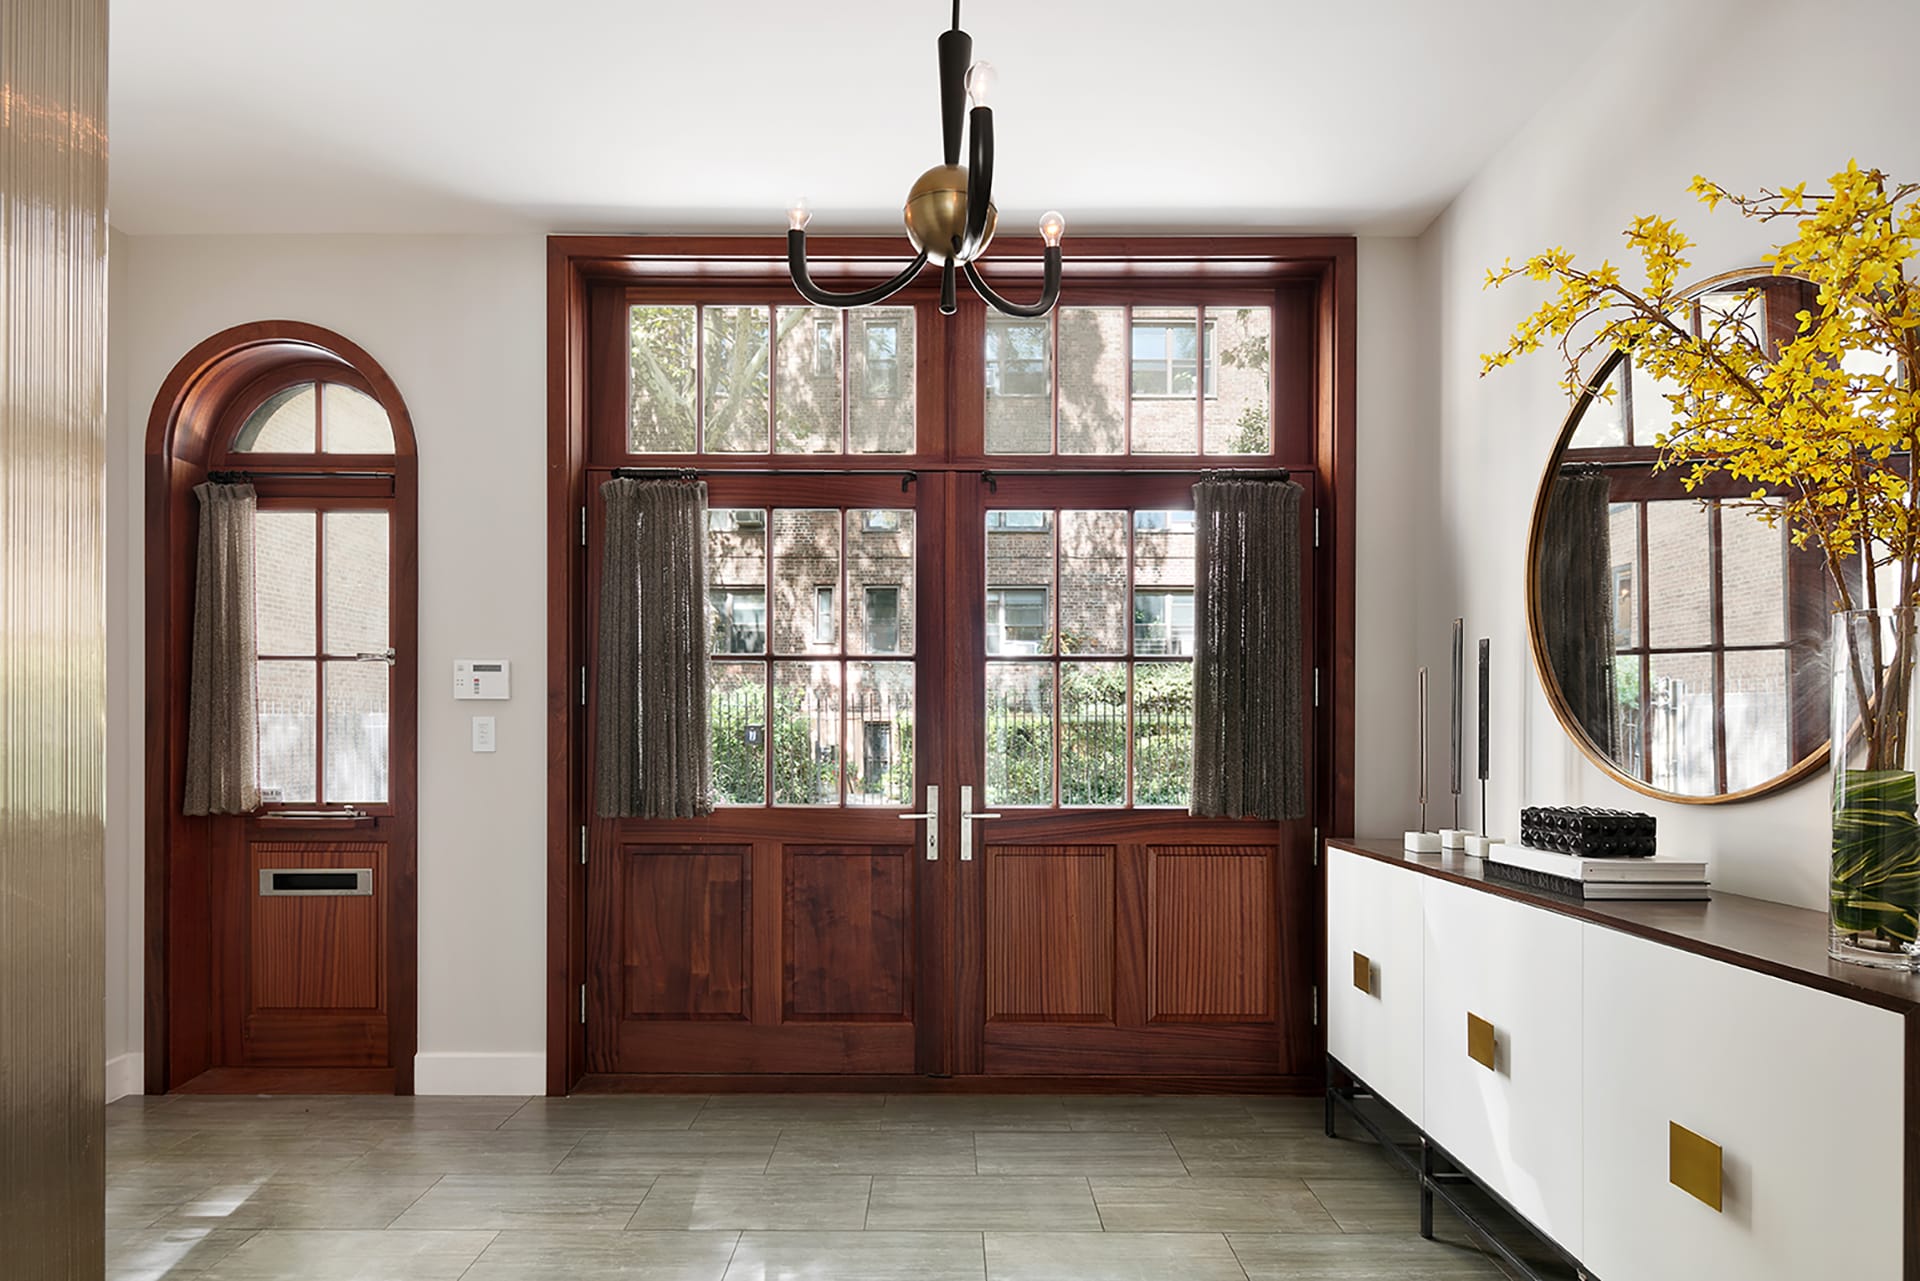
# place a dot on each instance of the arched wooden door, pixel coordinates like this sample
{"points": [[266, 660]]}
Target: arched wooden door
{"points": [[281, 942]]}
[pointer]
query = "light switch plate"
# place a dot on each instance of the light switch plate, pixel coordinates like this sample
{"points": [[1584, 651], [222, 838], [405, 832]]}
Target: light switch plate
{"points": [[483, 734]]}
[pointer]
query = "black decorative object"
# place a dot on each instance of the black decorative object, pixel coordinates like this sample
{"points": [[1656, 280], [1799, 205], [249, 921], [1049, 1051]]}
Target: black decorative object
{"points": [[1587, 832], [1456, 743], [1486, 725], [949, 212]]}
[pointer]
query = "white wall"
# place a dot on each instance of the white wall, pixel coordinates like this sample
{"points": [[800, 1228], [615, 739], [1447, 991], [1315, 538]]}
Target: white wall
{"points": [[1728, 88], [459, 323]]}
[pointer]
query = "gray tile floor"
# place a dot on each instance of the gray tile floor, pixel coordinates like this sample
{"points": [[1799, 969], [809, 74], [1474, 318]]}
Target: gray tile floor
{"points": [[758, 1188]]}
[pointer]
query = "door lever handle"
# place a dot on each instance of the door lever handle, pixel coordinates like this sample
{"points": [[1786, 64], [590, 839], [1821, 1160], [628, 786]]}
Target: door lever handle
{"points": [[967, 815], [932, 817]]}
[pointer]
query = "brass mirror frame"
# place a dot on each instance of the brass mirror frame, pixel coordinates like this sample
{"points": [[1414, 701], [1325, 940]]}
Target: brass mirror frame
{"points": [[1536, 533]]}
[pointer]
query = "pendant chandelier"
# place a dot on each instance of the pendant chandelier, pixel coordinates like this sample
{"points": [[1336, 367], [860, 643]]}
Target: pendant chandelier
{"points": [[949, 213]]}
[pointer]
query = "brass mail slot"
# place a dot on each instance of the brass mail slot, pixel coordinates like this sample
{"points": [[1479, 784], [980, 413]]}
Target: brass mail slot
{"points": [[1693, 1165], [1363, 973], [1482, 1044]]}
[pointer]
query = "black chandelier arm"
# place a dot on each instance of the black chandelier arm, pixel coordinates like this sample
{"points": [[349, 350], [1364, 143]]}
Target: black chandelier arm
{"points": [[949, 292], [979, 180], [956, 55], [797, 267], [1049, 289]]}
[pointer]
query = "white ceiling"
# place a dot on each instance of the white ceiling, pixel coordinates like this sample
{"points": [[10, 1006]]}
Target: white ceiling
{"points": [[241, 116]]}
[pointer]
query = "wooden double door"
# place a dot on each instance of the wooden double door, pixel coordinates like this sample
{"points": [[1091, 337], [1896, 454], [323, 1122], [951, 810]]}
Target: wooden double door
{"points": [[951, 727]]}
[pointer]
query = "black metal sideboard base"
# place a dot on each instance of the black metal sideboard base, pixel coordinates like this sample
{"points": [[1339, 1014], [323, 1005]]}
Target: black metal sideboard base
{"points": [[1439, 1175]]}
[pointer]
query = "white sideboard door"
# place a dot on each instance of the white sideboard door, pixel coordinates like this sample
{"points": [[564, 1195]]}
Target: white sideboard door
{"points": [[1803, 1092], [1517, 1124], [1373, 924]]}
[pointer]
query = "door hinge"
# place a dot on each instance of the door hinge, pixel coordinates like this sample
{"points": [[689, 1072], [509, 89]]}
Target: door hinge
{"points": [[583, 528], [1316, 846], [583, 845], [583, 1003], [583, 688], [1316, 687], [1316, 527], [1316, 1003]]}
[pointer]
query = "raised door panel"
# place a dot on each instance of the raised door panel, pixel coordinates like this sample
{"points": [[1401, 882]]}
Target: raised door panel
{"points": [[686, 950], [848, 928], [1516, 1124], [316, 963], [1210, 944], [1802, 1092], [1374, 933], [1050, 939]]}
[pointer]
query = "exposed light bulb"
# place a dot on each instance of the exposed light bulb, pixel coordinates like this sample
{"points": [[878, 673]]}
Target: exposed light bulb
{"points": [[981, 77], [798, 215], [1053, 225]]}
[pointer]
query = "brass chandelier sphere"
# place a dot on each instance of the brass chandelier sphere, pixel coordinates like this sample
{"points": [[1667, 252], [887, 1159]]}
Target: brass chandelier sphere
{"points": [[936, 216]]}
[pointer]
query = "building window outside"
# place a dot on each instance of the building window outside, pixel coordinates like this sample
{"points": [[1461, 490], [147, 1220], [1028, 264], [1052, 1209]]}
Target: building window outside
{"points": [[1163, 622], [826, 353], [823, 629], [883, 360], [1010, 520], [883, 620], [1017, 359], [877, 755], [1163, 359], [740, 620], [879, 520], [729, 520], [1016, 620], [1169, 521]]}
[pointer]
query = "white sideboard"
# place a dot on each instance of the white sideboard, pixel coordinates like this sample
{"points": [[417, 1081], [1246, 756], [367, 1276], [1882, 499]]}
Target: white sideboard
{"points": [[1661, 1090]]}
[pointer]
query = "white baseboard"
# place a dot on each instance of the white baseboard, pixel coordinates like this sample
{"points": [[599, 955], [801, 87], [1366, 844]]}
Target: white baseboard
{"points": [[479, 1074], [126, 1074]]}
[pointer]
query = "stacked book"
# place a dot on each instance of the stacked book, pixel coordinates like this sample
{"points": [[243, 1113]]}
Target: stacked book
{"points": [[1658, 877]]}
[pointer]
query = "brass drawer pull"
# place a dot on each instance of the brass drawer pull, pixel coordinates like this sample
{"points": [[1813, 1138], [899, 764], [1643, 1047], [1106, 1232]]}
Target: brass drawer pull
{"points": [[1693, 1165], [1482, 1043], [1363, 973]]}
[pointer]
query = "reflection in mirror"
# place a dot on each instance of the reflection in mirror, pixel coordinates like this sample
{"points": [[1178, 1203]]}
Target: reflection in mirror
{"points": [[1681, 637]]}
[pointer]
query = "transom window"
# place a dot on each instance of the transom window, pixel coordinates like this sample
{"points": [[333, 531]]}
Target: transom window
{"points": [[803, 709], [1089, 625], [734, 380], [316, 418], [1131, 380]]}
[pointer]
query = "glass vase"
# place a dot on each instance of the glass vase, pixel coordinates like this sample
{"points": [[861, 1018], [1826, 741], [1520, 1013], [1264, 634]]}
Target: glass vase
{"points": [[1874, 878]]}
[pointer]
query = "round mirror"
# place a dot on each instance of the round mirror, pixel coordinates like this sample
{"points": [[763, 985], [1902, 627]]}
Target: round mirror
{"points": [[1680, 638]]}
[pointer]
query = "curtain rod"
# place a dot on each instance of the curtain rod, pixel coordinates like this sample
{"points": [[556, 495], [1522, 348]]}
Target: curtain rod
{"points": [[691, 474], [242, 477]]}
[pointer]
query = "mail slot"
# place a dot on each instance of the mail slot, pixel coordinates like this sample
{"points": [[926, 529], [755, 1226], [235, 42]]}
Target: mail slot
{"points": [[318, 880]]}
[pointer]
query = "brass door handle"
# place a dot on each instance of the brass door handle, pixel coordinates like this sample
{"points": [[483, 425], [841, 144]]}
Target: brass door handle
{"points": [[1483, 1043], [1694, 1165], [1363, 973]]}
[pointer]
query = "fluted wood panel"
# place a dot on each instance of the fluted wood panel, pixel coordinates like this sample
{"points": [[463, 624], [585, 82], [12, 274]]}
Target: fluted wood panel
{"points": [[1211, 940], [1050, 942], [847, 922], [52, 633], [318, 952]]}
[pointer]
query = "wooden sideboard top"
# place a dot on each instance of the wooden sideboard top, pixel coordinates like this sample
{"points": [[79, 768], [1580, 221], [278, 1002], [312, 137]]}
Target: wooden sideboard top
{"points": [[1771, 938]]}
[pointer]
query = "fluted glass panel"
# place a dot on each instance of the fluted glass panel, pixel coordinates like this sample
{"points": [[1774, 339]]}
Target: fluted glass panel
{"points": [[53, 244]]}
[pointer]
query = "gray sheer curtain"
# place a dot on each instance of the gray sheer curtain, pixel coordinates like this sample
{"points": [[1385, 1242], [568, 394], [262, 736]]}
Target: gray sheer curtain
{"points": [[651, 732], [222, 734], [1249, 721], [1575, 595]]}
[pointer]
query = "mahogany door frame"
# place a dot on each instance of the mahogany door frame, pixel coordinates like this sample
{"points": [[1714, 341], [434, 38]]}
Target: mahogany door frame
{"points": [[194, 406], [1095, 265]]}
